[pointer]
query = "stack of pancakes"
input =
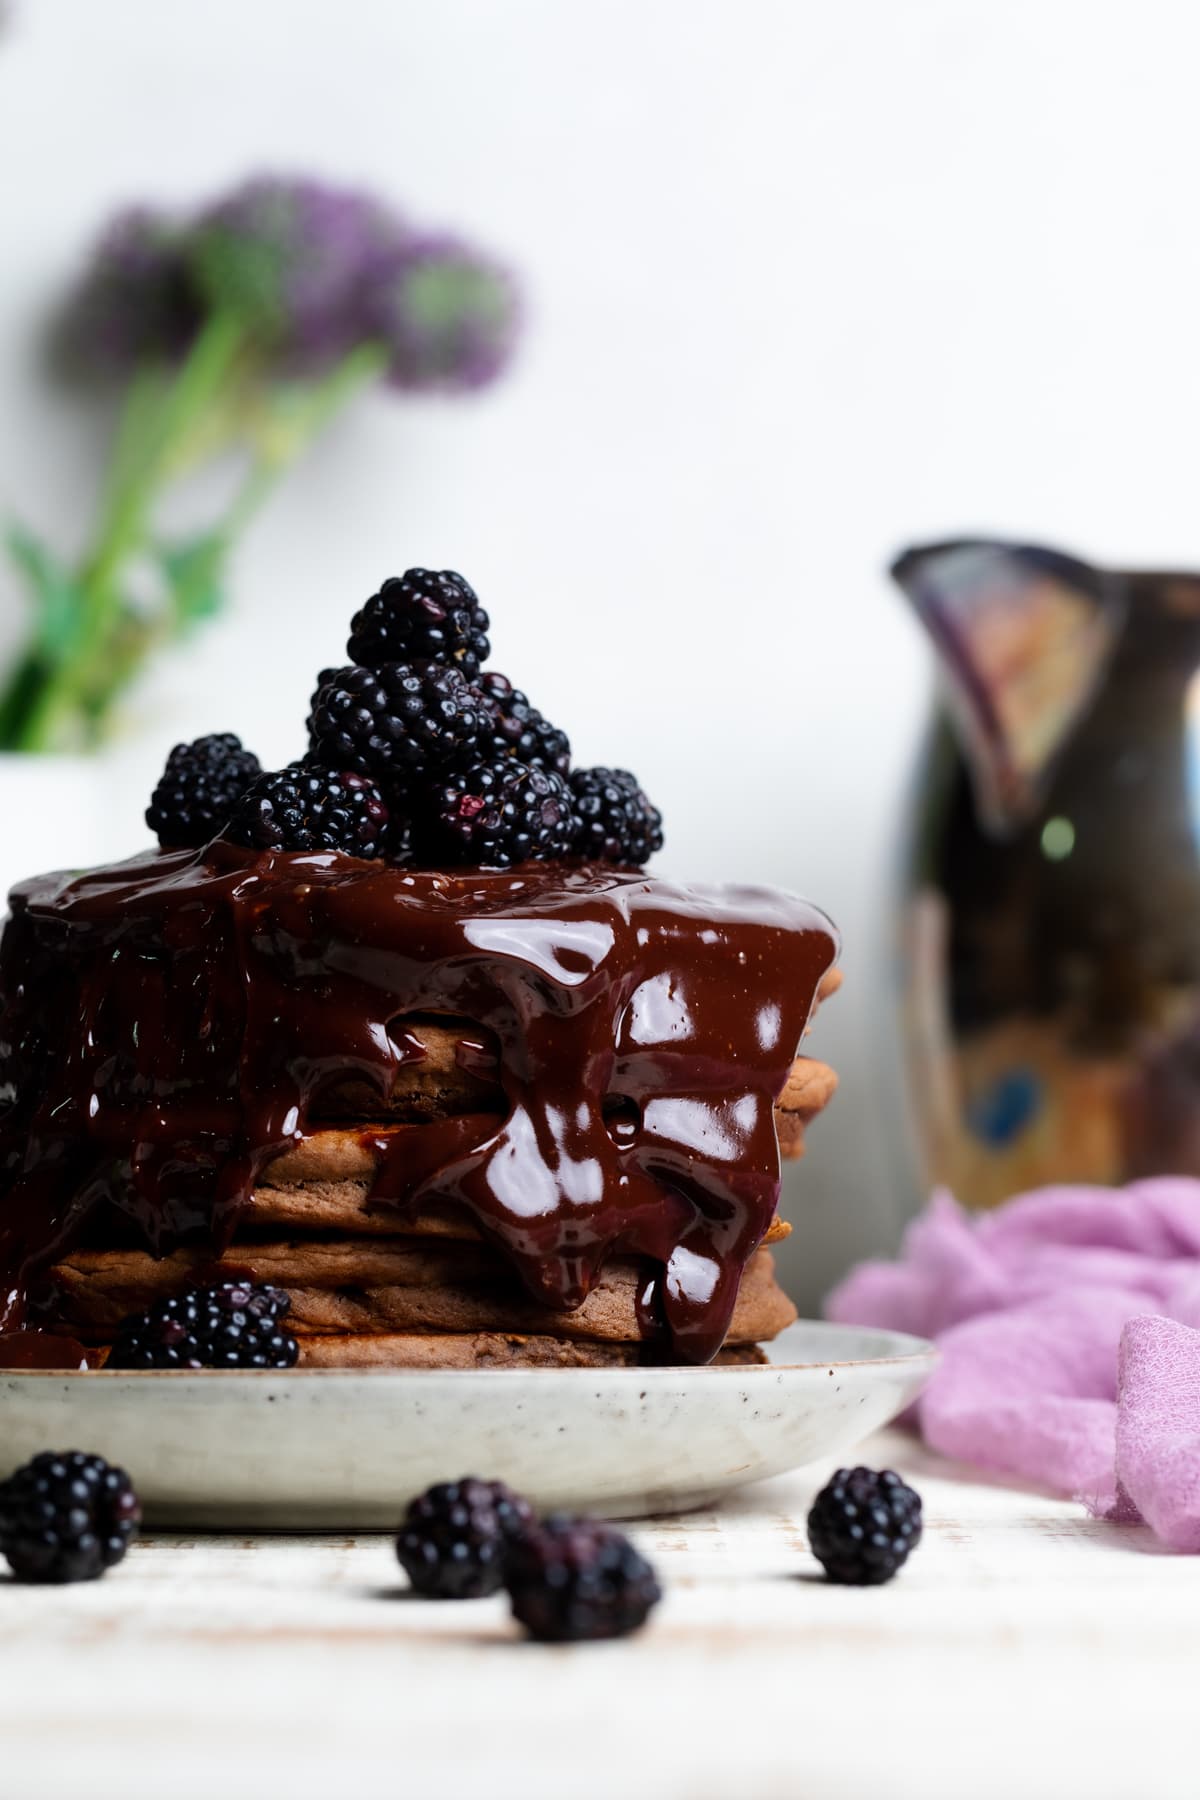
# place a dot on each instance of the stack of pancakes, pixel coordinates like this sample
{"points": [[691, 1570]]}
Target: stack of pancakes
{"points": [[373, 1285]]}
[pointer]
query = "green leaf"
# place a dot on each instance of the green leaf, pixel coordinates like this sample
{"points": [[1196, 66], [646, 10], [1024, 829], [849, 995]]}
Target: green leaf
{"points": [[59, 607], [194, 570]]}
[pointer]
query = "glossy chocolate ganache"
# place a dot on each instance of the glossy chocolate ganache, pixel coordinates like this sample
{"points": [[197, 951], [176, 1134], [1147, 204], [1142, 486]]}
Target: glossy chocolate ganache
{"points": [[170, 1024]]}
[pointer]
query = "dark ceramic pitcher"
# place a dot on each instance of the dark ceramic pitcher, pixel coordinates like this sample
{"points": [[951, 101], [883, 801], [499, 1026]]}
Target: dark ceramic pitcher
{"points": [[1052, 919]]}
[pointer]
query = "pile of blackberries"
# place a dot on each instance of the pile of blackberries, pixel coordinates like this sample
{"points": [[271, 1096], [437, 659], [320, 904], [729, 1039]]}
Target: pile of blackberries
{"points": [[415, 753], [568, 1579]]}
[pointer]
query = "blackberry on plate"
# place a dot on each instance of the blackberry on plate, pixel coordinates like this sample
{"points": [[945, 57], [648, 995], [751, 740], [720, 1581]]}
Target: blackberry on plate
{"points": [[572, 1579], [863, 1525], [403, 723], [500, 813], [456, 1537], [427, 614], [515, 728], [199, 788], [309, 807], [233, 1326], [66, 1517], [615, 822]]}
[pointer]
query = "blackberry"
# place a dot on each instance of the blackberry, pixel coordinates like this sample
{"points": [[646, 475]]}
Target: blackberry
{"points": [[326, 676], [66, 1517], [401, 848], [500, 813], [455, 1539], [404, 722], [515, 728], [309, 807], [199, 788], [615, 822], [863, 1525], [572, 1579], [428, 614], [234, 1326]]}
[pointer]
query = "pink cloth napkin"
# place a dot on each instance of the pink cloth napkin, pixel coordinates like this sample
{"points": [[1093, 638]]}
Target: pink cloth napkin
{"points": [[1067, 1322]]}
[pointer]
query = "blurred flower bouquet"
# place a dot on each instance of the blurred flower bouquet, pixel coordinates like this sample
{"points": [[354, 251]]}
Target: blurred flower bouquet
{"points": [[240, 329]]}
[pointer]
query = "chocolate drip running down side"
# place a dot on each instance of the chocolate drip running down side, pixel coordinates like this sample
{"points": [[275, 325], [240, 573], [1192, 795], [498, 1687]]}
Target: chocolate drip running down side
{"points": [[170, 1024]]}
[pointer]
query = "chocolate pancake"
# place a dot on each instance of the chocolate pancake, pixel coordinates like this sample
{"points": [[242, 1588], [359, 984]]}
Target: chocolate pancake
{"points": [[445, 1111], [488, 1350], [355, 1285]]}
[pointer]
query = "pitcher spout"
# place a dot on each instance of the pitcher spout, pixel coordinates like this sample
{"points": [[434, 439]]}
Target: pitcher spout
{"points": [[1024, 636]]}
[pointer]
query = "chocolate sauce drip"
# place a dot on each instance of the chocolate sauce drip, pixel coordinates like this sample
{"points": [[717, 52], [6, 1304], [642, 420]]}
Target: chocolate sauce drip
{"points": [[169, 1025], [43, 1350]]}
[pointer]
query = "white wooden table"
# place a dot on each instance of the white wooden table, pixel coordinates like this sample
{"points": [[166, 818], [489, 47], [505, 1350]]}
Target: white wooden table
{"points": [[1027, 1651]]}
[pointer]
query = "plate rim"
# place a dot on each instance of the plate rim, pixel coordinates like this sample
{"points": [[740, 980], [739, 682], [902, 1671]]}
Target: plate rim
{"points": [[909, 1349]]}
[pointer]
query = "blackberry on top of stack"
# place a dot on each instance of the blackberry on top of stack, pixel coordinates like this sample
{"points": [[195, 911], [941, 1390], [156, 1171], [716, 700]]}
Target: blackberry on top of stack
{"points": [[416, 754]]}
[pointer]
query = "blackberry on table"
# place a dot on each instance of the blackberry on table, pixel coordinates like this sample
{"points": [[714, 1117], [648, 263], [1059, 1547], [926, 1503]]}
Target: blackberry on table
{"points": [[863, 1524], [198, 789], [66, 1517], [456, 1537], [500, 813], [233, 1326], [403, 722], [615, 822], [426, 614], [310, 807], [572, 1579], [515, 728]]}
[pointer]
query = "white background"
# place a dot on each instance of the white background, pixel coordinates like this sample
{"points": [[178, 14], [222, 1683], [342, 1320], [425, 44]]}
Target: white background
{"points": [[805, 281]]}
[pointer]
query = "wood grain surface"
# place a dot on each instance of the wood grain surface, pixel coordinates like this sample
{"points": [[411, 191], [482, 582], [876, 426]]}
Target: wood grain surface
{"points": [[1026, 1651]]}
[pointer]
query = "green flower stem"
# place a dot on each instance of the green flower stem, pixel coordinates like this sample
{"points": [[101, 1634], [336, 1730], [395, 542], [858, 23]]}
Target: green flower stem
{"points": [[139, 412], [289, 430], [21, 689], [161, 427], [189, 395], [149, 439]]}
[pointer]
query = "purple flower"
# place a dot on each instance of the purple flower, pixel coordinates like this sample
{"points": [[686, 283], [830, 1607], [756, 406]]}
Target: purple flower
{"points": [[291, 257], [309, 272], [134, 303], [447, 315]]}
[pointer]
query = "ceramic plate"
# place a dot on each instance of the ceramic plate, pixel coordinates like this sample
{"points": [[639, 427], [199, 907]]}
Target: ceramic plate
{"points": [[343, 1449]]}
